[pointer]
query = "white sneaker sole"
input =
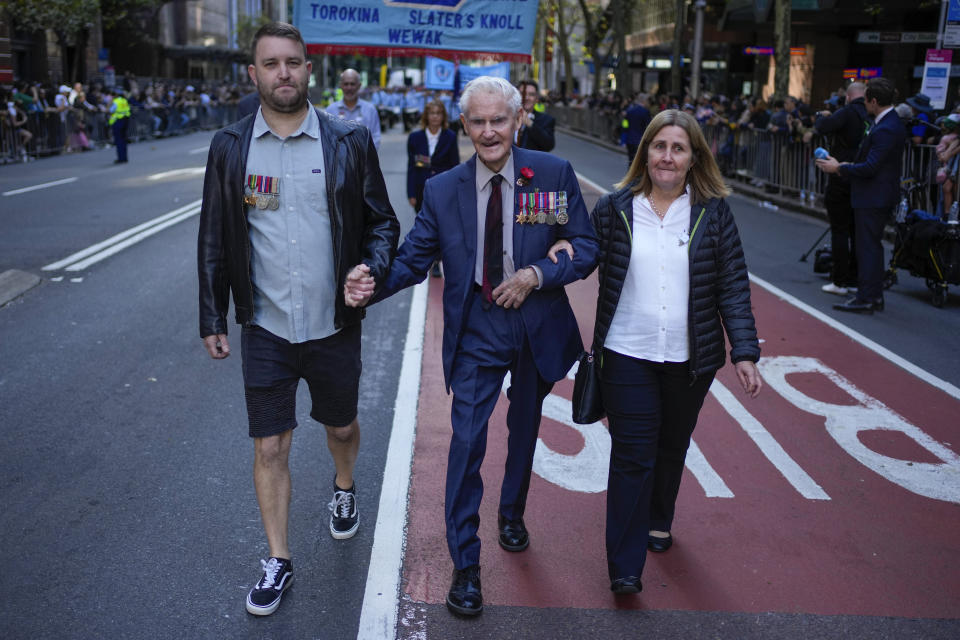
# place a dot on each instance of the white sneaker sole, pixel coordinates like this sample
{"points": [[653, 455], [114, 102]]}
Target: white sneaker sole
{"points": [[265, 611], [343, 535]]}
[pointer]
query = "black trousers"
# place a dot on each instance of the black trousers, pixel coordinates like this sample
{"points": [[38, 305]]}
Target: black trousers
{"points": [[652, 409], [869, 231], [842, 238]]}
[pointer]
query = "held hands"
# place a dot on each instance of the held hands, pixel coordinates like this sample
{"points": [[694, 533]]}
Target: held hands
{"points": [[749, 377], [558, 246], [358, 287], [217, 346], [511, 293]]}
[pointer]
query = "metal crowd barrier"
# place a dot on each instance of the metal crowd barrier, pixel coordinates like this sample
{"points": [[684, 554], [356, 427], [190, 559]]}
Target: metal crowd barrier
{"points": [[763, 159], [75, 129]]}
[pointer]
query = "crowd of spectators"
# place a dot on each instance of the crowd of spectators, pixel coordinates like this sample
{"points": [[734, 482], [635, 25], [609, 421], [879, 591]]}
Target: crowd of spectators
{"points": [[784, 124], [44, 119]]}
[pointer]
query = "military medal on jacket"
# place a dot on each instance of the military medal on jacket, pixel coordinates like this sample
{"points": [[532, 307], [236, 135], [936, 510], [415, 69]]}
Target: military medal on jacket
{"points": [[262, 192], [542, 207]]}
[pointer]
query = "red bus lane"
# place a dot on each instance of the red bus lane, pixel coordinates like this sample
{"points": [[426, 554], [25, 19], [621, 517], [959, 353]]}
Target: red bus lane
{"points": [[837, 491]]}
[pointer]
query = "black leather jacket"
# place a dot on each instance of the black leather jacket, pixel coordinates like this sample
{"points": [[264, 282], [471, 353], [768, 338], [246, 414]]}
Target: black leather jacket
{"points": [[719, 285], [364, 226]]}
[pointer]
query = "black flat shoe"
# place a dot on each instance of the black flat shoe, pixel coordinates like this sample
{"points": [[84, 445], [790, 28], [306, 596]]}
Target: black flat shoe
{"points": [[659, 545], [630, 584], [853, 305], [464, 597], [513, 534]]}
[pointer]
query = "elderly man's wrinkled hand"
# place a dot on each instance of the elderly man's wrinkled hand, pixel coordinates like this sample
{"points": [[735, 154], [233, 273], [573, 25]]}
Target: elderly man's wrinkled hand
{"points": [[511, 293], [359, 286]]}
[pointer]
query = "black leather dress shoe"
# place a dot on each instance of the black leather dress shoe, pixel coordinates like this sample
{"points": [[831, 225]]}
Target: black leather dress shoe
{"points": [[659, 545], [630, 584], [854, 305], [464, 597], [513, 534]]}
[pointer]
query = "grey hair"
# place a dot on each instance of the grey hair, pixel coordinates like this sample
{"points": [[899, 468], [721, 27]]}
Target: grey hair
{"points": [[494, 85]]}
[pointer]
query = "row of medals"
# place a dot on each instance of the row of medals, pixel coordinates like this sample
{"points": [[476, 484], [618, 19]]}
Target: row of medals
{"points": [[542, 216], [262, 201]]}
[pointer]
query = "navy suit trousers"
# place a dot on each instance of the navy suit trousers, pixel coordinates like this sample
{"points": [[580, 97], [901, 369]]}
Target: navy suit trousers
{"points": [[869, 224], [652, 409], [494, 342]]}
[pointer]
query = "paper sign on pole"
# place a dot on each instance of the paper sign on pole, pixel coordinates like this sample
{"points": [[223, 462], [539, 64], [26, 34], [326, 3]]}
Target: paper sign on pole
{"points": [[936, 76]]}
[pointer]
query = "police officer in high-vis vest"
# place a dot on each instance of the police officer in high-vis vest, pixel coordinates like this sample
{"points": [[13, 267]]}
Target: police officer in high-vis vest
{"points": [[119, 120]]}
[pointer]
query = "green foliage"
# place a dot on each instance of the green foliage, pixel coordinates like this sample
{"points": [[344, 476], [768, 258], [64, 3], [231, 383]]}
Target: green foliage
{"points": [[67, 18], [247, 27]]}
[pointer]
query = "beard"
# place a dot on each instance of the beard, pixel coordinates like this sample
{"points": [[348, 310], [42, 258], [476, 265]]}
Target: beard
{"points": [[289, 102]]}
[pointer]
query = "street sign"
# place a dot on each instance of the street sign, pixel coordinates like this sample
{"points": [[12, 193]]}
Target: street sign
{"points": [[936, 75]]}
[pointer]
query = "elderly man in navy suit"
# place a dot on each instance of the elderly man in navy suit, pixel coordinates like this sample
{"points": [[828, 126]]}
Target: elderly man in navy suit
{"points": [[492, 221], [874, 190]]}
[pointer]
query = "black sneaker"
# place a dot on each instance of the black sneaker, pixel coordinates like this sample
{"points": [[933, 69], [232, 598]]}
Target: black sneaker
{"points": [[345, 519], [264, 598]]}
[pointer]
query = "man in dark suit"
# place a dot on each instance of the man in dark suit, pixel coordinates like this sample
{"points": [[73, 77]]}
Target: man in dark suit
{"points": [[847, 126], [536, 125], [638, 117], [492, 220], [874, 190]]}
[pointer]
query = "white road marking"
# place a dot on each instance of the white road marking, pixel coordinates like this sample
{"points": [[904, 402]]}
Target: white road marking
{"points": [[187, 171], [845, 422], [378, 615], [713, 485], [775, 453], [590, 183], [199, 150], [881, 351], [101, 250], [35, 187], [76, 279]]}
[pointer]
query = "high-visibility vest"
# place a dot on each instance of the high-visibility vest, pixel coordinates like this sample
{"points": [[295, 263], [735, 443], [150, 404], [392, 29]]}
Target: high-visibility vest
{"points": [[121, 110]]}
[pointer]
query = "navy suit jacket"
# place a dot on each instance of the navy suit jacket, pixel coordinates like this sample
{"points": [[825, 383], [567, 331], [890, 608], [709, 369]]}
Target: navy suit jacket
{"points": [[446, 227], [875, 173], [540, 136], [445, 156]]}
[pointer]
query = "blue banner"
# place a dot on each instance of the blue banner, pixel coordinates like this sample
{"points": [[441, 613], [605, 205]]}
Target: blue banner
{"points": [[458, 28], [467, 74], [439, 74]]}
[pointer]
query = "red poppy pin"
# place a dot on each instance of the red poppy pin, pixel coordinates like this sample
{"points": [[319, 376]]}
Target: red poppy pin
{"points": [[526, 173]]}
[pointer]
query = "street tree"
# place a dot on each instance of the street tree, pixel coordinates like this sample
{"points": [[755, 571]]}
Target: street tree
{"points": [[70, 20], [568, 17], [781, 73]]}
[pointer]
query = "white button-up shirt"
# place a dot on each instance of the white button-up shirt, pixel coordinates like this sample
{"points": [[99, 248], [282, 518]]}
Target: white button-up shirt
{"points": [[652, 316]]}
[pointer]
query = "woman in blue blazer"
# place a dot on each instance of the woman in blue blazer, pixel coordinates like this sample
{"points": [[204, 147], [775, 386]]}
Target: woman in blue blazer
{"points": [[431, 149]]}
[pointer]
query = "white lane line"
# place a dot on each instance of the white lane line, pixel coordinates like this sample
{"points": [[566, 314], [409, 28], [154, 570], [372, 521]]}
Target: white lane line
{"points": [[787, 466], [590, 183], [880, 350], [187, 171], [120, 246], [192, 208], [35, 187], [378, 616], [713, 485], [199, 150]]}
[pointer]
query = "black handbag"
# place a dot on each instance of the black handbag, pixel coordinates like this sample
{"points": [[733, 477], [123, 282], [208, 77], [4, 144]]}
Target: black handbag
{"points": [[587, 403]]}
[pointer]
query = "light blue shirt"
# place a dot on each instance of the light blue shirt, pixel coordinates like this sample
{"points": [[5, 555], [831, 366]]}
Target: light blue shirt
{"points": [[363, 112], [294, 281]]}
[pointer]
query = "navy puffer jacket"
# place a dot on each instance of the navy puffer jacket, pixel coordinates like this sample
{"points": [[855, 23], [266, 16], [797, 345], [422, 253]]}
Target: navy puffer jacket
{"points": [[719, 285]]}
